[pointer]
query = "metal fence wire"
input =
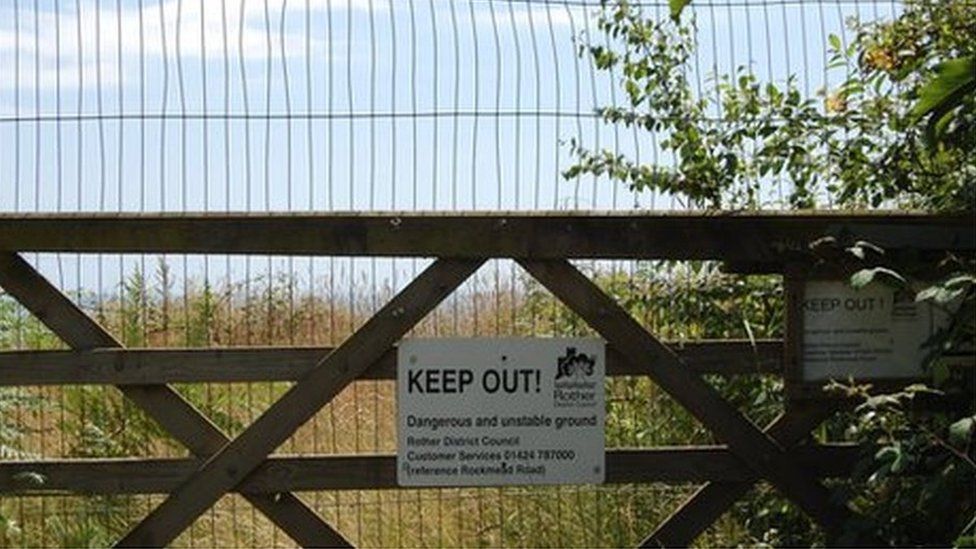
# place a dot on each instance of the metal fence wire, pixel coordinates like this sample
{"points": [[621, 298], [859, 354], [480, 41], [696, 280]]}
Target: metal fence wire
{"points": [[335, 105]]}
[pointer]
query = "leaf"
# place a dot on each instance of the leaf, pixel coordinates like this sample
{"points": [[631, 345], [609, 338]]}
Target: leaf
{"points": [[965, 541], [960, 280], [752, 337], [834, 42], [881, 401], [900, 463], [940, 373], [952, 76], [887, 454], [941, 294], [677, 6], [865, 245], [886, 458], [30, 478], [961, 431], [944, 93], [864, 277]]}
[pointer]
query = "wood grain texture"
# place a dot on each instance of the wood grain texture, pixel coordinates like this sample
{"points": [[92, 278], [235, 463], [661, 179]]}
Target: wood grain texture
{"points": [[760, 238], [378, 472], [240, 364]]}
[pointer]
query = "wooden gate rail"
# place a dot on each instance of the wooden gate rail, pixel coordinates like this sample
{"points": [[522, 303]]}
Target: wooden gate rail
{"points": [[241, 364], [541, 244], [740, 237], [378, 472]]}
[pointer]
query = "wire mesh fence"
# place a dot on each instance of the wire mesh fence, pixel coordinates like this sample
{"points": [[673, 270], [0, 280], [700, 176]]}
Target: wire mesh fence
{"points": [[337, 105]]}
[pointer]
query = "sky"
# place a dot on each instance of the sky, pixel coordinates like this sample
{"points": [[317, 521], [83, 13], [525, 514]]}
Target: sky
{"points": [[338, 105]]}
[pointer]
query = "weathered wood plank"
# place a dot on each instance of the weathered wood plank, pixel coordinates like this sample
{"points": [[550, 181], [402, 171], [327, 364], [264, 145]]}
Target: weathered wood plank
{"points": [[793, 338], [378, 472], [177, 416], [50, 306], [741, 236], [228, 467], [236, 364], [714, 499], [756, 448]]}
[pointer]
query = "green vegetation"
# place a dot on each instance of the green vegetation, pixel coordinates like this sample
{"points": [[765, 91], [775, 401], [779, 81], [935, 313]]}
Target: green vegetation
{"points": [[898, 131], [866, 142]]}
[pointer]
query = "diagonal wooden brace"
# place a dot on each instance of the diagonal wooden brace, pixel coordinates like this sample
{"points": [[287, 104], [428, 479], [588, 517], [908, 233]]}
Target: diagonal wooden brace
{"points": [[713, 499], [755, 448], [177, 416], [227, 468]]}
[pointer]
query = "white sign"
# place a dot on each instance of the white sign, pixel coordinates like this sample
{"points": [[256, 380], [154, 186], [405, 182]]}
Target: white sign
{"points": [[492, 412], [871, 332]]}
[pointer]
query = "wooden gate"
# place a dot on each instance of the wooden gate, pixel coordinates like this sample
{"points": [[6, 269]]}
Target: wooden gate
{"points": [[542, 244]]}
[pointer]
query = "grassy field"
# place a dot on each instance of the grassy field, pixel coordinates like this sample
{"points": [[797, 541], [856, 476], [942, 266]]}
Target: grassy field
{"points": [[675, 301]]}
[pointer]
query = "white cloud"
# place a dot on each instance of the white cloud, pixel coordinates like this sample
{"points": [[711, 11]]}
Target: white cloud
{"points": [[81, 41]]}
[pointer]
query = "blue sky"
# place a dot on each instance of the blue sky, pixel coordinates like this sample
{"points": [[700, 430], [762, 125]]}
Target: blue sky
{"points": [[472, 101]]}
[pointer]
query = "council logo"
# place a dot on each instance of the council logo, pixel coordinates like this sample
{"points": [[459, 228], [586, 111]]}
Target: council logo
{"points": [[575, 384], [574, 364]]}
